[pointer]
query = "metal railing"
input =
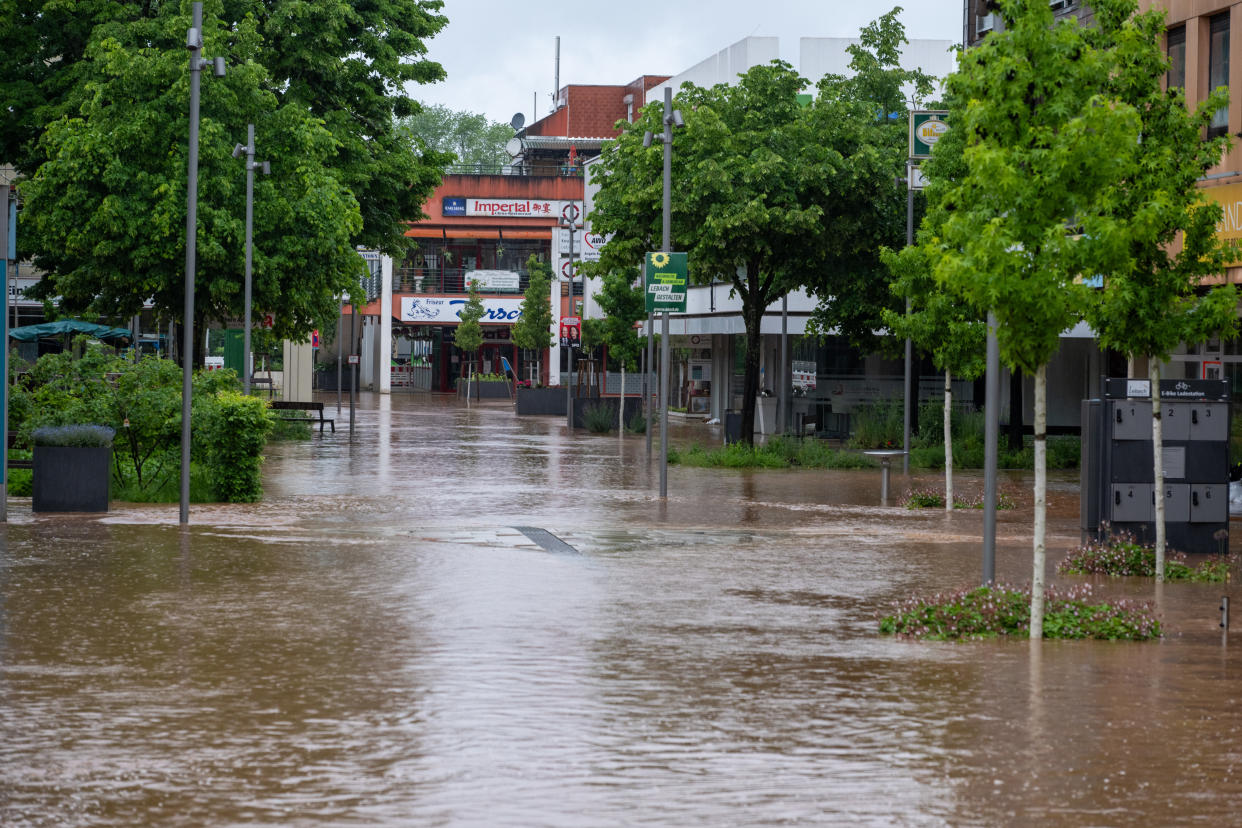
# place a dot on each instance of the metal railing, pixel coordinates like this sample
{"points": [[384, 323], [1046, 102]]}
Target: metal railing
{"points": [[536, 169], [446, 280]]}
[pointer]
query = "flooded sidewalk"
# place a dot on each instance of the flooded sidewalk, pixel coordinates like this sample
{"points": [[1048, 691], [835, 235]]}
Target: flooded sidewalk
{"points": [[389, 639]]}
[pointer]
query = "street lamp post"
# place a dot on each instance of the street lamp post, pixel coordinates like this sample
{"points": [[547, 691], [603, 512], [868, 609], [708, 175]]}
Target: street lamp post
{"points": [[194, 43], [569, 370], [671, 118], [251, 166]]}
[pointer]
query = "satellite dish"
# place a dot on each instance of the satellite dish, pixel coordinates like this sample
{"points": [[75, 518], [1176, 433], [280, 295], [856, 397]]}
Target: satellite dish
{"points": [[519, 121], [514, 147]]}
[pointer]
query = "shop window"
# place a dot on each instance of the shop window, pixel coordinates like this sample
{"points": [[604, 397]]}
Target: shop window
{"points": [[1218, 69], [1177, 58]]}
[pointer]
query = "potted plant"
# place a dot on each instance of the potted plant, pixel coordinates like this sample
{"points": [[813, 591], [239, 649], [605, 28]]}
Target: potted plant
{"points": [[72, 468]]}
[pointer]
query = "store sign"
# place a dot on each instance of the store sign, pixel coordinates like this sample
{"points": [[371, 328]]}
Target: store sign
{"points": [[927, 127], [509, 208], [1229, 228], [666, 278], [494, 280], [435, 310]]}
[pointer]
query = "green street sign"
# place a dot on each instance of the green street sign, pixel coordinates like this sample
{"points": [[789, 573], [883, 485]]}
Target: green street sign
{"points": [[927, 126], [665, 278]]}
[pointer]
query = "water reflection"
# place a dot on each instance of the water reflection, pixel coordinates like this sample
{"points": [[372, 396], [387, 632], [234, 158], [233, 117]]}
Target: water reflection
{"points": [[381, 647]]}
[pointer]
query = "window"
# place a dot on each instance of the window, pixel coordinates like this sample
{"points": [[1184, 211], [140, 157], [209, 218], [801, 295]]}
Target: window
{"points": [[1177, 58], [1218, 68], [984, 23]]}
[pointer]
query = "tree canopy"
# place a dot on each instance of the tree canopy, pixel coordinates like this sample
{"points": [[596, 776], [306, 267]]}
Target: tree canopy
{"points": [[468, 135], [771, 192], [99, 130]]}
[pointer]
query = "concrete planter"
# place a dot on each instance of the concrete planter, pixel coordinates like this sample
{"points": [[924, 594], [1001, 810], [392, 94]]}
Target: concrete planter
{"points": [[72, 478], [489, 390], [544, 401]]}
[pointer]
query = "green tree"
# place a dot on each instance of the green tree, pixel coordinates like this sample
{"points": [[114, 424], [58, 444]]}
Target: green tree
{"points": [[533, 329], [621, 301], [467, 135], [1045, 148], [469, 333], [940, 324], [98, 127], [865, 115], [1151, 300]]}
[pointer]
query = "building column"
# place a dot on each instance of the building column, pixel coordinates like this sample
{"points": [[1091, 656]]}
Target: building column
{"points": [[383, 349]]}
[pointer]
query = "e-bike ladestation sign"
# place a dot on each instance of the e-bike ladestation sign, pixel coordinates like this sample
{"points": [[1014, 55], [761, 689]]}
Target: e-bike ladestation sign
{"points": [[665, 278]]}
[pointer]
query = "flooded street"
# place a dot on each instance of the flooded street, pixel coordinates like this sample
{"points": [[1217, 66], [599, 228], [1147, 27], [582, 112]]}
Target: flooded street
{"points": [[378, 644]]}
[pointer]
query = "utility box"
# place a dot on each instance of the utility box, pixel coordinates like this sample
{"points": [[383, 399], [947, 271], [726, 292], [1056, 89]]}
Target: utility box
{"points": [[1118, 477]]}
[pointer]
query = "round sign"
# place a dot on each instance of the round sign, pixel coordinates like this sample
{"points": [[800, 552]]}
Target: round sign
{"points": [[932, 131], [570, 212]]}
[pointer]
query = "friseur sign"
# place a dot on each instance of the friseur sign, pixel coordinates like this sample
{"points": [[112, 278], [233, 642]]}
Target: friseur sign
{"points": [[665, 279]]}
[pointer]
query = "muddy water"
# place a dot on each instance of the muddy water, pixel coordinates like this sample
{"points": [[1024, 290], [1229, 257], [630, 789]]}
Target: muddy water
{"points": [[375, 644]]}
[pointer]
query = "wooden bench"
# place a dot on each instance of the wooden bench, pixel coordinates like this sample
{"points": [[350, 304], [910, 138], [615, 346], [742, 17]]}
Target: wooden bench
{"points": [[293, 405]]}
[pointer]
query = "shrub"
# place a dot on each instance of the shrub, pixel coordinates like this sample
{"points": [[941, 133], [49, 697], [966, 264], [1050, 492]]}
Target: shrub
{"points": [[637, 424], [1001, 610], [80, 436], [235, 429], [933, 499], [1120, 554], [776, 453], [598, 418]]}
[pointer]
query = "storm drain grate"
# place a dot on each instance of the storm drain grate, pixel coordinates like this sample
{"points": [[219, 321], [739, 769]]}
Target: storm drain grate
{"points": [[547, 541]]}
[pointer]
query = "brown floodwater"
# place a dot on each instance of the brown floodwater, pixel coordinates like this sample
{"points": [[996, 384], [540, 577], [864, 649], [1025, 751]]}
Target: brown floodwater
{"points": [[375, 643]]}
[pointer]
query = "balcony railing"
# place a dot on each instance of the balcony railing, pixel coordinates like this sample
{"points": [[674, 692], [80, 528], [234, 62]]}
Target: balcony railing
{"points": [[537, 169], [447, 280]]}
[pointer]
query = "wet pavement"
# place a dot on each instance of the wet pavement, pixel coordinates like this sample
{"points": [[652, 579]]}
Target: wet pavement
{"points": [[377, 643]]}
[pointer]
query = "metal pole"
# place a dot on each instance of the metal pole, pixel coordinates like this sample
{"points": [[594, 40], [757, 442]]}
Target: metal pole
{"points": [[6, 218], [569, 373], [353, 364], [667, 247], [249, 256], [991, 409], [195, 45], [782, 394], [650, 360], [907, 405], [340, 354]]}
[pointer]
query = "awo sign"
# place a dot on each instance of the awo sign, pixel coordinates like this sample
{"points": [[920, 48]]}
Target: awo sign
{"points": [[586, 245]]}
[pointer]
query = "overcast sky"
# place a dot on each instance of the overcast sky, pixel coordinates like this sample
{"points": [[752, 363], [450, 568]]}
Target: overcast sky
{"points": [[500, 55]]}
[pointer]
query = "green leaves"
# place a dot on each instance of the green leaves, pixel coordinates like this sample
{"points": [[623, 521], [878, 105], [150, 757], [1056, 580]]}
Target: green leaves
{"points": [[469, 333], [533, 329]]}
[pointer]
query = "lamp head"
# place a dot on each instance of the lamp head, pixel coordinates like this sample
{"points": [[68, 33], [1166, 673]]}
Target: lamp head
{"points": [[677, 119], [218, 67], [239, 150], [193, 39], [647, 136], [267, 168]]}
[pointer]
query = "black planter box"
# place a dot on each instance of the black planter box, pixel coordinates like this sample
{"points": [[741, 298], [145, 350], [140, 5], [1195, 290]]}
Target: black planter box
{"points": [[541, 401], [612, 404], [488, 390], [71, 478]]}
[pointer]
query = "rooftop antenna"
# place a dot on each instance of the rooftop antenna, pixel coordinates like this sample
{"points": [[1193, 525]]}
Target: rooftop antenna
{"points": [[556, 88]]}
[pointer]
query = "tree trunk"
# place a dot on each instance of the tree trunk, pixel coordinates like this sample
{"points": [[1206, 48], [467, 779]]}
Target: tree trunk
{"points": [[1041, 502], [750, 387], [1157, 444], [948, 441], [1013, 435]]}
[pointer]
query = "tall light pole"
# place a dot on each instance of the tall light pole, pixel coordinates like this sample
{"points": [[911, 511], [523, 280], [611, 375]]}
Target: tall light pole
{"points": [[671, 118], [251, 166], [569, 372], [193, 42]]}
